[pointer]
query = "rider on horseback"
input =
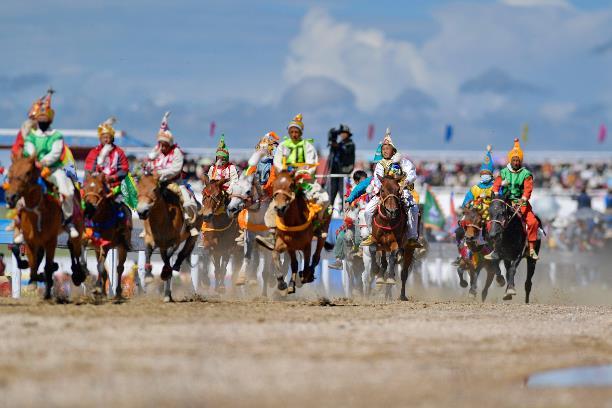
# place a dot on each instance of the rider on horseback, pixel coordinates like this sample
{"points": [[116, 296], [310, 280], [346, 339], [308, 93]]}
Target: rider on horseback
{"points": [[479, 197], [301, 155], [167, 160], [222, 168], [110, 160], [519, 183], [392, 163], [47, 145]]}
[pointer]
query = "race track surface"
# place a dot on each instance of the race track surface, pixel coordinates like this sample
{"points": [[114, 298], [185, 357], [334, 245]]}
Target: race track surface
{"points": [[296, 353]]}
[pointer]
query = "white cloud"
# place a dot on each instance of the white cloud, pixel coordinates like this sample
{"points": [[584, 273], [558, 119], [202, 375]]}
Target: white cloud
{"points": [[375, 68], [538, 3], [557, 111]]}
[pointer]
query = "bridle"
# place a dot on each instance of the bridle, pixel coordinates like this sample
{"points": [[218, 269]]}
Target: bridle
{"points": [[503, 224], [386, 217], [98, 196]]}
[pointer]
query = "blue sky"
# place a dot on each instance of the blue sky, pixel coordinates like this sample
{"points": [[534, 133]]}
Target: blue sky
{"points": [[486, 67]]}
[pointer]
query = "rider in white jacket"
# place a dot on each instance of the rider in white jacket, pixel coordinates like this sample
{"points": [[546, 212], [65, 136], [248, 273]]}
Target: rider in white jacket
{"points": [[393, 162]]}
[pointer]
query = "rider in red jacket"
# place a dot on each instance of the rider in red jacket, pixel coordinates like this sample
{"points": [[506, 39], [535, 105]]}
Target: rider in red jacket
{"points": [[108, 158]]}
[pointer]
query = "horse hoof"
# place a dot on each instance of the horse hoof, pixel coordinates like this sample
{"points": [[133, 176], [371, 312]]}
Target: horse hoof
{"points": [[507, 297], [403, 298], [500, 281], [510, 292], [380, 281], [220, 290], [291, 288], [240, 280], [390, 281], [282, 285], [463, 283], [473, 293], [168, 299]]}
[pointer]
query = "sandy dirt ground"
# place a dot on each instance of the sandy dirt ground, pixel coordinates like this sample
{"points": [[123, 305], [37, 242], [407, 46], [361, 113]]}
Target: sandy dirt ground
{"points": [[296, 353]]}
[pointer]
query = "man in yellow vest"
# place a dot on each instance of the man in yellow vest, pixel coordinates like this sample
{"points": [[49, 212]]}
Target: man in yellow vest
{"points": [[301, 155]]}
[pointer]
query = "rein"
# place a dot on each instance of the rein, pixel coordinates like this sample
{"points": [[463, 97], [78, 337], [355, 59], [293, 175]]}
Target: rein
{"points": [[384, 217], [211, 229], [505, 223], [313, 209]]}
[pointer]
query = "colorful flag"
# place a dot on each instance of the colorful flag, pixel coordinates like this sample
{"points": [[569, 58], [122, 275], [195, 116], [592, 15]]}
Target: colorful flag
{"points": [[448, 135], [370, 131], [213, 126], [453, 214], [525, 133], [129, 191], [603, 132], [433, 216]]}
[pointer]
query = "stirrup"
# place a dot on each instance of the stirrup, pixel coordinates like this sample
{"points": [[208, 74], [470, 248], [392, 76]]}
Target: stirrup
{"points": [[491, 256], [368, 241]]}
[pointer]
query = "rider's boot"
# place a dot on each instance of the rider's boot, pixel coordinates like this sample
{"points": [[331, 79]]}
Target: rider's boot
{"points": [[532, 252], [267, 241], [368, 241], [336, 265], [491, 256]]}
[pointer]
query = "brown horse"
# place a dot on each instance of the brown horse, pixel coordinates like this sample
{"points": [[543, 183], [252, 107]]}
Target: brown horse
{"points": [[219, 232], [472, 256], [111, 227], [389, 229], [41, 223], [296, 228], [164, 226]]}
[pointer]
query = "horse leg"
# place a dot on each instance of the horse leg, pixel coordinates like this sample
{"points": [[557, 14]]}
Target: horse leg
{"points": [[280, 277], [148, 265], [307, 275], [510, 290], [531, 265], [49, 267], [462, 282], [34, 259], [78, 272], [121, 257], [294, 271], [406, 269], [474, 281], [166, 273], [184, 253], [491, 272], [101, 254]]}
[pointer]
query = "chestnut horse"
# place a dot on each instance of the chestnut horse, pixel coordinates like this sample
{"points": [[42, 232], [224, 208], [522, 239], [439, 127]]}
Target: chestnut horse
{"points": [[472, 256], [389, 229], [295, 229], [164, 227], [111, 225], [219, 232], [41, 223]]}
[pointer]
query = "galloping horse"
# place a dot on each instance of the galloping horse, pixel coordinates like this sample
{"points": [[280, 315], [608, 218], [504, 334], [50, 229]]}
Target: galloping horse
{"points": [[164, 226], [249, 203], [220, 230], [472, 257], [111, 227], [389, 229], [295, 230], [510, 238], [41, 222]]}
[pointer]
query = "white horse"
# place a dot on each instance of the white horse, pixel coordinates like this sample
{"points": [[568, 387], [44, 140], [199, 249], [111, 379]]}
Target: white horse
{"points": [[248, 195], [359, 275]]}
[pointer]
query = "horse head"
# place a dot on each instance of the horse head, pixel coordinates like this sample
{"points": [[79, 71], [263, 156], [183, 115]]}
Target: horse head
{"points": [[498, 212], [244, 194], [148, 193], [22, 178], [390, 201], [213, 197], [472, 224], [95, 190], [283, 192]]}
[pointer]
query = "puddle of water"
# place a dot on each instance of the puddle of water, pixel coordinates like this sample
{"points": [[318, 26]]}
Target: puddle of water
{"points": [[595, 376]]}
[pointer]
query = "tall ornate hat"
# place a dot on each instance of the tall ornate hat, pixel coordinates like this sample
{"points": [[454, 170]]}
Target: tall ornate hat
{"points": [[296, 123], [516, 151], [106, 127], [222, 148], [387, 140], [164, 134], [487, 162], [43, 106]]}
